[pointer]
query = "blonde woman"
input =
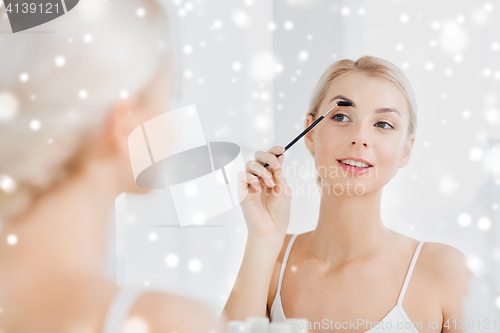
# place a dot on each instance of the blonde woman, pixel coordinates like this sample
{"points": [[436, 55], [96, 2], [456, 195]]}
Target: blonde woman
{"points": [[350, 268], [69, 98]]}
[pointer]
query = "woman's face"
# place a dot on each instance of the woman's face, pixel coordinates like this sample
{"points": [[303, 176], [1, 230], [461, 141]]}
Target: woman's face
{"points": [[154, 101], [364, 130]]}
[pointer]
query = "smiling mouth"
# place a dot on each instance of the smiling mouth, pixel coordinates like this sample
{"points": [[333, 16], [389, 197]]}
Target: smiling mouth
{"points": [[354, 166]]}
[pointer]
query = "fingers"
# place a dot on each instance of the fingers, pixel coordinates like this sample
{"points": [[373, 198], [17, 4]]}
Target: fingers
{"points": [[279, 178], [254, 182], [257, 175], [255, 168], [276, 150], [269, 157], [245, 180]]}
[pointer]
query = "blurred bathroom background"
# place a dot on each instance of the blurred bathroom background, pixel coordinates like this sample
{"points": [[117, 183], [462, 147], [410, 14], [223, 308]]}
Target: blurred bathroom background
{"points": [[250, 66]]}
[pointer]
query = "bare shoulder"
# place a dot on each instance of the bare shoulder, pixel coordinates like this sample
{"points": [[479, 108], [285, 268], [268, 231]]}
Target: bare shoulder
{"points": [[447, 266], [165, 312], [444, 260], [273, 286]]}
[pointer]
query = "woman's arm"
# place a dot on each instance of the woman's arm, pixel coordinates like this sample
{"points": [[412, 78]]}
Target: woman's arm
{"points": [[266, 208], [249, 295], [453, 278]]}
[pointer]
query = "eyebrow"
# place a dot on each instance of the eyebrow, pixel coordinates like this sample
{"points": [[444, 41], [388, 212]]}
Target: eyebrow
{"points": [[379, 110]]}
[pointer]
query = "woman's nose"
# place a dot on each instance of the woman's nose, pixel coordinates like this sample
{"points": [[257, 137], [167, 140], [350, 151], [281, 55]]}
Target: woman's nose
{"points": [[364, 143]]}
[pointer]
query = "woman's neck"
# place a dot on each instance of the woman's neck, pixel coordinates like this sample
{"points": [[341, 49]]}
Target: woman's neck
{"points": [[349, 228], [66, 229]]}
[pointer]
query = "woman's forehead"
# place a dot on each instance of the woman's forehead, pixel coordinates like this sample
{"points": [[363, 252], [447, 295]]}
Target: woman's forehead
{"points": [[367, 90]]}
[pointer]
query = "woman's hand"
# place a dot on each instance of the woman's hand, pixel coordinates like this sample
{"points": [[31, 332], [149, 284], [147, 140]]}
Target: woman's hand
{"points": [[267, 196]]}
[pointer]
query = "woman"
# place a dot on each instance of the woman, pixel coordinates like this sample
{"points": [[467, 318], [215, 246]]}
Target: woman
{"points": [[350, 268], [69, 98]]}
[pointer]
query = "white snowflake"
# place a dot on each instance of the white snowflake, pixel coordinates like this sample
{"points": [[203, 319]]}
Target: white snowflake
{"points": [[7, 184], [83, 94], [198, 218], [236, 66], [194, 265], [464, 220], [171, 260], [240, 18], [24, 77], [12, 239], [124, 94], [153, 236], [484, 223], [60, 61], [135, 324], [271, 26], [141, 12], [88, 38], [453, 37], [188, 73], [188, 6], [9, 106], [262, 122], [480, 17], [303, 55], [188, 49], [217, 24], [476, 154], [35, 125], [345, 11], [288, 25]]}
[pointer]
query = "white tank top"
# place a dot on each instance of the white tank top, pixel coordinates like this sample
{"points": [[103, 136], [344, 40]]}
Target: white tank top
{"points": [[119, 309], [395, 316]]}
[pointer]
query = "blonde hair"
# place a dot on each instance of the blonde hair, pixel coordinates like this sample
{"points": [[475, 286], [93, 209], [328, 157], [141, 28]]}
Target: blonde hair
{"points": [[58, 86], [370, 66]]}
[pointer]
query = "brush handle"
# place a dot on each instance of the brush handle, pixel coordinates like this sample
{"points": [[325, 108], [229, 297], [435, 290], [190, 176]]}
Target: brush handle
{"points": [[300, 135]]}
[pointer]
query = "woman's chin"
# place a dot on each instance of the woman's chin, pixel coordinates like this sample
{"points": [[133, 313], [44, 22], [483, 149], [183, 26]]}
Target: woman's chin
{"points": [[345, 186]]}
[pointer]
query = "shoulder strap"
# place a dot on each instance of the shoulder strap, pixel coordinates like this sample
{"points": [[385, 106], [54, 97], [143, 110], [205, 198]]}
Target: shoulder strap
{"points": [[283, 263], [410, 271], [119, 309]]}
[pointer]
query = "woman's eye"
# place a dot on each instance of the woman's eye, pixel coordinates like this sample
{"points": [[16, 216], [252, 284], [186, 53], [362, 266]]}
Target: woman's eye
{"points": [[383, 122], [339, 114]]}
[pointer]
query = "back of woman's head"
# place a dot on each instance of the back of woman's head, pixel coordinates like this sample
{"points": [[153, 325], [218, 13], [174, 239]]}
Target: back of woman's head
{"points": [[58, 86]]}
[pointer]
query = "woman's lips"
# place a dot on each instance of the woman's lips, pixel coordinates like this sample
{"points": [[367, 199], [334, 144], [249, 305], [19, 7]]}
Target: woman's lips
{"points": [[353, 169]]}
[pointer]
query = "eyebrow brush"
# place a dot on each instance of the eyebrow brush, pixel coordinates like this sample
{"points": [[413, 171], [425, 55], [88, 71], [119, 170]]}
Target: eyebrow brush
{"points": [[341, 103]]}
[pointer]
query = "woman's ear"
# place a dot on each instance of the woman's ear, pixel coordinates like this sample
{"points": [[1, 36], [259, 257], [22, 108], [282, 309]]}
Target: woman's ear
{"points": [[405, 158], [308, 137], [124, 118]]}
